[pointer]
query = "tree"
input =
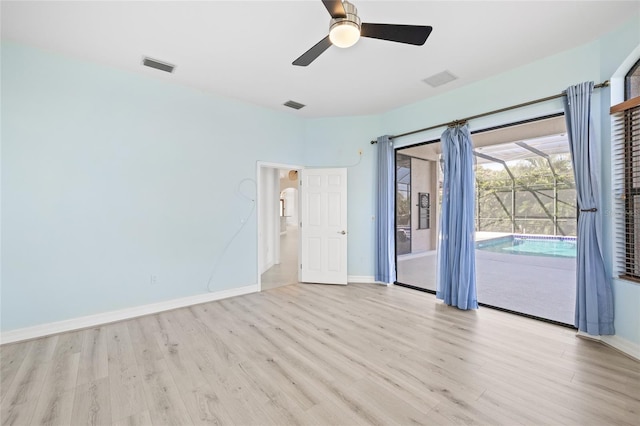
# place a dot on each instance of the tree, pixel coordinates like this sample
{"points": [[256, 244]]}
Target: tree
{"points": [[533, 187]]}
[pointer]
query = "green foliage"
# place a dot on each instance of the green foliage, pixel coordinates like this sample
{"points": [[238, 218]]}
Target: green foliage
{"points": [[403, 208], [533, 187]]}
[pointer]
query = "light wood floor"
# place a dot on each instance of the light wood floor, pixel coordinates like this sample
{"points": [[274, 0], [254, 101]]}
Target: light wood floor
{"points": [[313, 354]]}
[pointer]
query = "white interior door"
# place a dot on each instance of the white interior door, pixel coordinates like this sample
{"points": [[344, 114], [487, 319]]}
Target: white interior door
{"points": [[323, 226]]}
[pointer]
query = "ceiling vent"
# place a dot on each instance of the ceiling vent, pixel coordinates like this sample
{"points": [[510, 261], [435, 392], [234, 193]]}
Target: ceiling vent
{"points": [[439, 79], [162, 66], [294, 105]]}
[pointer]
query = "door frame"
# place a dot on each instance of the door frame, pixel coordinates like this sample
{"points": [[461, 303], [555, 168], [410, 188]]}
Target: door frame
{"points": [[260, 203]]}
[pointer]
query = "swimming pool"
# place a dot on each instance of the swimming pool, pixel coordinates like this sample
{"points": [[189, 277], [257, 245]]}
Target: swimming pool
{"points": [[531, 245]]}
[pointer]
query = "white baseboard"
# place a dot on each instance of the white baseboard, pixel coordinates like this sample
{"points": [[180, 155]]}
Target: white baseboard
{"points": [[623, 345], [41, 330], [628, 348], [367, 279]]}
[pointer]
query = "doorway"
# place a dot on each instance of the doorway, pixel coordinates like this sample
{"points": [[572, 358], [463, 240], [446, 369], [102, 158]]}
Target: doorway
{"points": [[417, 215], [278, 235], [525, 218]]}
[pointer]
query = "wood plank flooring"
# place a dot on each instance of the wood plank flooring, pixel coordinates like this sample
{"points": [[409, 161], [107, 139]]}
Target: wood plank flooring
{"points": [[305, 354]]}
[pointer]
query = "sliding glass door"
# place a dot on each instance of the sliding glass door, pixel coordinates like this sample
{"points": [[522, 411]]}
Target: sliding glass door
{"points": [[525, 219]]}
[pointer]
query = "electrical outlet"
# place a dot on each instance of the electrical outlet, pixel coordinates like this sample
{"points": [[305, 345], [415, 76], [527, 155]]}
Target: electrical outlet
{"points": [[154, 279]]}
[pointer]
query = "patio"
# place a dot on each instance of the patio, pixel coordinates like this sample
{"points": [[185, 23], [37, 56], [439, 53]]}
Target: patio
{"points": [[541, 286], [523, 187]]}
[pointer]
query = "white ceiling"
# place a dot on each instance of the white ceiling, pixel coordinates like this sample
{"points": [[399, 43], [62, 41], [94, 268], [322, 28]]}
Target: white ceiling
{"points": [[550, 145], [244, 49]]}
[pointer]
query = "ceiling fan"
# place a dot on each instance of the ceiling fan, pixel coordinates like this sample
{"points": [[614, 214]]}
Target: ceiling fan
{"points": [[345, 29]]}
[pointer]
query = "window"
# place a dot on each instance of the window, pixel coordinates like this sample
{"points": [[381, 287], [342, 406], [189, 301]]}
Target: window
{"points": [[632, 82], [626, 130]]}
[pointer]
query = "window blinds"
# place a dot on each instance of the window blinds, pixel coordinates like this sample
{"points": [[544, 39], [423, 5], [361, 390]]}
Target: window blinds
{"points": [[626, 180]]}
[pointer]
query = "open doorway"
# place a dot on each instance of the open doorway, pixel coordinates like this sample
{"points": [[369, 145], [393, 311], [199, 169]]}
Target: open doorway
{"points": [[278, 235]]}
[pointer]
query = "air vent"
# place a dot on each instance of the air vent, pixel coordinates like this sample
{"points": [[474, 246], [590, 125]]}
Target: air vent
{"points": [[294, 105], [162, 66], [439, 79]]}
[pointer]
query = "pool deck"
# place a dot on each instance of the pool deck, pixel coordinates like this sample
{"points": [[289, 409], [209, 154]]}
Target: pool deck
{"points": [[542, 286], [482, 235]]}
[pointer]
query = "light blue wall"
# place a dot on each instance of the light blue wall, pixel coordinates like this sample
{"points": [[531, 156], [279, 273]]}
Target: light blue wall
{"points": [[543, 78], [109, 177], [336, 142]]}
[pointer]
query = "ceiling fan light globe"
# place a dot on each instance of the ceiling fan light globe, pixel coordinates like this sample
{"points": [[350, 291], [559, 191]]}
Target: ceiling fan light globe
{"points": [[344, 34]]}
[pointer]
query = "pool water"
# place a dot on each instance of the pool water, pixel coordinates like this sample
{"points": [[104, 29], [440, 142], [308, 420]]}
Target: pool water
{"points": [[531, 246]]}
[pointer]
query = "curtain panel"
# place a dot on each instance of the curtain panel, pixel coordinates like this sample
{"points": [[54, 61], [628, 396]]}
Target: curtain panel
{"points": [[456, 274], [594, 295], [385, 265]]}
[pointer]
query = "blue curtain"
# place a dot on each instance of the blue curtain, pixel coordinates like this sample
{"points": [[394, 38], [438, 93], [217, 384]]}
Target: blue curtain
{"points": [[385, 211], [594, 297], [456, 275]]}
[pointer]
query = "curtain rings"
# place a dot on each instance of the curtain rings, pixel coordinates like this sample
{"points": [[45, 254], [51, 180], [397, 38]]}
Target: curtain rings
{"points": [[457, 123]]}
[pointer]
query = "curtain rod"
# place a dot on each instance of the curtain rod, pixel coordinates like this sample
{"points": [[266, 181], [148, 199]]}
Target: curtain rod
{"points": [[464, 120]]}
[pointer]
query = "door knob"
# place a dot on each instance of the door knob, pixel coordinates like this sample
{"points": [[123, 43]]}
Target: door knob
{"points": [[343, 232]]}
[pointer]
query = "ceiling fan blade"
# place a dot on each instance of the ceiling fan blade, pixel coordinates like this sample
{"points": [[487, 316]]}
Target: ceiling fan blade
{"points": [[310, 55], [409, 34], [335, 8]]}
